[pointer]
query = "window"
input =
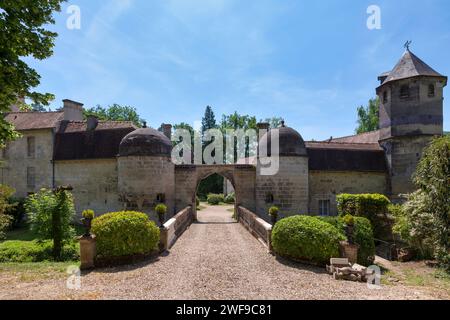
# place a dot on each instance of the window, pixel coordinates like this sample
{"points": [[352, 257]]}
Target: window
{"points": [[269, 198], [324, 207], [31, 177], [385, 97], [431, 90], [31, 147], [161, 198], [404, 92]]}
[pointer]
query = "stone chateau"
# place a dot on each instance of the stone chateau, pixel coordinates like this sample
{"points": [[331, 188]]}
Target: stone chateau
{"points": [[114, 165]]}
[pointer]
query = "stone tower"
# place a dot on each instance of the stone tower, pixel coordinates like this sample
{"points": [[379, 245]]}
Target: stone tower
{"points": [[288, 187], [146, 174], [411, 113]]}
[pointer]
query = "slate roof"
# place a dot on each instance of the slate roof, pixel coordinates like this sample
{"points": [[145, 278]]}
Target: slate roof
{"points": [[368, 137], [291, 142], [34, 120], [95, 144], [145, 142], [365, 157], [411, 66], [76, 126], [340, 156]]}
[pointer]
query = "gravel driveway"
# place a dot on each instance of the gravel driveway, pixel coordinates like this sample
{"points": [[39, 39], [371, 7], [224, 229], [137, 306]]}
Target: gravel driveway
{"points": [[215, 259]]}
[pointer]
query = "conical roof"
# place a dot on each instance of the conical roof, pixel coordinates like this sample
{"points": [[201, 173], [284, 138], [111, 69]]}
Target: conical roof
{"points": [[411, 66]]}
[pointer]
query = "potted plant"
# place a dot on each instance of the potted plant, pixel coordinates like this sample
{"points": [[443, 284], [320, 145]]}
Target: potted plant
{"points": [[161, 210], [88, 216], [348, 248], [349, 224], [273, 213]]}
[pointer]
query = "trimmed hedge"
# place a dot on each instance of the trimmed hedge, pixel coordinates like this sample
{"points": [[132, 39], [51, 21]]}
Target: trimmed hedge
{"points": [[363, 236], [374, 207], [125, 233], [306, 238], [215, 199]]}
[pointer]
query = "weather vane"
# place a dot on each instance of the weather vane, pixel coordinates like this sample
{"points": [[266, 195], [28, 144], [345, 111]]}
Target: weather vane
{"points": [[407, 44]]}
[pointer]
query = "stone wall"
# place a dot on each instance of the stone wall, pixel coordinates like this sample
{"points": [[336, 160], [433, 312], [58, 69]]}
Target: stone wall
{"points": [[256, 226], [142, 179], [325, 185], [175, 227], [397, 117], [16, 161], [94, 184], [289, 188], [403, 154]]}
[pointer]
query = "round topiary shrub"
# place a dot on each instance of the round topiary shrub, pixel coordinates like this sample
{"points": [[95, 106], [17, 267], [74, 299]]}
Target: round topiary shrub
{"points": [[125, 233], [215, 199], [306, 238]]}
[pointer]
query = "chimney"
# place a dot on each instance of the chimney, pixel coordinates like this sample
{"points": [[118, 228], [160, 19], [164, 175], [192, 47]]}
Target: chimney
{"points": [[91, 123], [167, 129], [73, 111]]}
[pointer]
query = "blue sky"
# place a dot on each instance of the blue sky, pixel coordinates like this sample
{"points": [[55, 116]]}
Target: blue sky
{"points": [[311, 62]]}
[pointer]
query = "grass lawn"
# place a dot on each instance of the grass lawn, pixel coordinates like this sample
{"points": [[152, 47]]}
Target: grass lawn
{"points": [[21, 246], [30, 271], [415, 274]]}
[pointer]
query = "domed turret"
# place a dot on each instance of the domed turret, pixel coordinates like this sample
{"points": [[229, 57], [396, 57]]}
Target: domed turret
{"points": [[146, 174], [291, 142], [145, 142], [285, 185]]}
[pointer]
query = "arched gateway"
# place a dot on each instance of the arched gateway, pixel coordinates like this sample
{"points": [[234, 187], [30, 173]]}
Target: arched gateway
{"points": [[188, 177]]}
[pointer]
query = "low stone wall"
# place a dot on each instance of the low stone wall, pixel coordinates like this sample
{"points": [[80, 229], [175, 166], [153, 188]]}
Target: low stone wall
{"points": [[175, 227], [257, 226]]}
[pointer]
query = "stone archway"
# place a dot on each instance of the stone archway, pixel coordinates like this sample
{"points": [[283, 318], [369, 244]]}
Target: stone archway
{"points": [[188, 177]]}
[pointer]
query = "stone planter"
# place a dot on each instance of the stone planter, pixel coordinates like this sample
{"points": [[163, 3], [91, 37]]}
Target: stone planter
{"points": [[349, 251], [88, 251]]}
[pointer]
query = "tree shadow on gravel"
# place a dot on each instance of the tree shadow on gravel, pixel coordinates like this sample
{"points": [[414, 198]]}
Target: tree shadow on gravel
{"points": [[305, 266], [125, 267]]}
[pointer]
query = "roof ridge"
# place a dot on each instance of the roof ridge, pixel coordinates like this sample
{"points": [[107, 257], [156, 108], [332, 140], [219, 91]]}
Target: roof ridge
{"points": [[359, 134], [111, 121], [33, 112], [340, 142]]}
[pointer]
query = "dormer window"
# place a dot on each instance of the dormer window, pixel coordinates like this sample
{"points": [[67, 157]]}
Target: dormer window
{"points": [[385, 97], [431, 90], [404, 92]]}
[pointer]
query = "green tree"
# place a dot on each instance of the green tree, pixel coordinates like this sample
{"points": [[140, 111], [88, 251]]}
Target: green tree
{"points": [[115, 112], [51, 214], [424, 220], [236, 121], [208, 120], [432, 177], [274, 122], [23, 33], [213, 183], [37, 107], [5, 206], [368, 117]]}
